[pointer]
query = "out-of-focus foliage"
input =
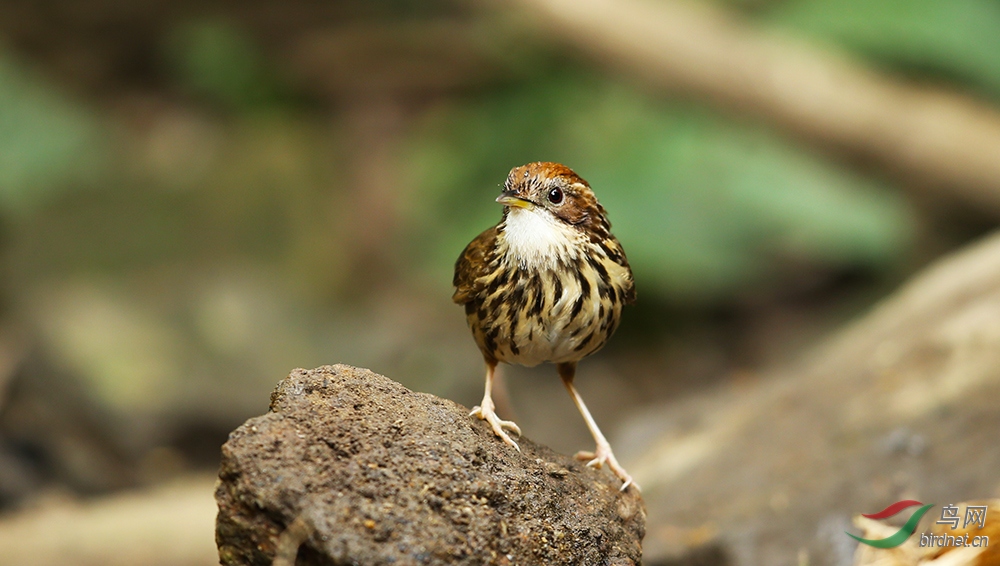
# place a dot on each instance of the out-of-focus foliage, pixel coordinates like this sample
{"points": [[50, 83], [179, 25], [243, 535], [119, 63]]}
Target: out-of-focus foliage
{"points": [[704, 206], [955, 39], [188, 229], [47, 142], [219, 62]]}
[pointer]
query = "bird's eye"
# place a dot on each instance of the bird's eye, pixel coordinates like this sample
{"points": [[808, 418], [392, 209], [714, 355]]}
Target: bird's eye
{"points": [[556, 195]]}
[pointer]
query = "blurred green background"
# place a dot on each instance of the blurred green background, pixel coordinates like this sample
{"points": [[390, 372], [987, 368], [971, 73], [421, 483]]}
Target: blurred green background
{"points": [[196, 198]]}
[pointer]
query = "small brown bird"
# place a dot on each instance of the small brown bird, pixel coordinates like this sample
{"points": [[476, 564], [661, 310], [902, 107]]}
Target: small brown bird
{"points": [[546, 284]]}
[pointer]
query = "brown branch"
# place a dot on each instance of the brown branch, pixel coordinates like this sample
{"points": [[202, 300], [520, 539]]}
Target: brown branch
{"points": [[940, 139]]}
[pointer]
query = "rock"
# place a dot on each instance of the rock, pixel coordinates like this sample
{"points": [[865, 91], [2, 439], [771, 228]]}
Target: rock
{"points": [[369, 472], [902, 404]]}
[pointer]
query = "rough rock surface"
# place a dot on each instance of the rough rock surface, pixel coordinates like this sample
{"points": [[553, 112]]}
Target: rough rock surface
{"points": [[379, 474]]}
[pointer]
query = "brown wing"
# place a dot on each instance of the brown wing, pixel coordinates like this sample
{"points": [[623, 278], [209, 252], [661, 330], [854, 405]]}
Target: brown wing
{"points": [[630, 290], [472, 265], [616, 253]]}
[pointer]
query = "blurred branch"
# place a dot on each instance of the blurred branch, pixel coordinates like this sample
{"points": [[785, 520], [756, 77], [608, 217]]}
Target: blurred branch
{"points": [[936, 138], [405, 58]]}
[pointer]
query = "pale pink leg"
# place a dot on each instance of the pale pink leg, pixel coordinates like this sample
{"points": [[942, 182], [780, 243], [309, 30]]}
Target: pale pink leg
{"points": [[487, 411], [602, 454]]}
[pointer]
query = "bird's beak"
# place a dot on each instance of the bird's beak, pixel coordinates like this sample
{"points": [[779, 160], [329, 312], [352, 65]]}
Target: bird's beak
{"points": [[510, 198]]}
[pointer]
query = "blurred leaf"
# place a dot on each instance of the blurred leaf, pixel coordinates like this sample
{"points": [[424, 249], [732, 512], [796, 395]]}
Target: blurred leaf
{"points": [[702, 205], [46, 142], [957, 38], [218, 61]]}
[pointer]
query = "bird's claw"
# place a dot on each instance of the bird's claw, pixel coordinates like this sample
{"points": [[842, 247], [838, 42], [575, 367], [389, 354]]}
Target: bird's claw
{"points": [[498, 425], [594, 461], [601, 455]]}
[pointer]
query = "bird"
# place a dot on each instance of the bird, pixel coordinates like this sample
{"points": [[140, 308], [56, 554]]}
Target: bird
{"points": [[546, 284]]}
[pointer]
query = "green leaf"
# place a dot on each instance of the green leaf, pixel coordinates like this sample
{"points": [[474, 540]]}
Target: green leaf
{"points": [[957, 39], [218, 61], [47, 144]]}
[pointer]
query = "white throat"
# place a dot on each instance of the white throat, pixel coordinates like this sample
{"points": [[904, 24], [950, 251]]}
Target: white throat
{"points": [[535, 237]]}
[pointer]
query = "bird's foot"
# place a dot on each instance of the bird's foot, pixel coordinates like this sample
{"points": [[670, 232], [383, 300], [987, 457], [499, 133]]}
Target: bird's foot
{"points": [[487, 413], [602, 455]]}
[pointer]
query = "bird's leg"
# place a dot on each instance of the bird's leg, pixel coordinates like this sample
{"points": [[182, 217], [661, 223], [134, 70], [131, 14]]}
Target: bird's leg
{"points": [[487, 410], [501, 396], [603, 452]]}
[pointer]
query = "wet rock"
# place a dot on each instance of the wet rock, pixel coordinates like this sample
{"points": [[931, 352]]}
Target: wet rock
{"points": [[368, 472]]}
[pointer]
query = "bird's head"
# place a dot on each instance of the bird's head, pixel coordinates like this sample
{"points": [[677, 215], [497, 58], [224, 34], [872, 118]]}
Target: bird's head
{"points": [[553, 189]]}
